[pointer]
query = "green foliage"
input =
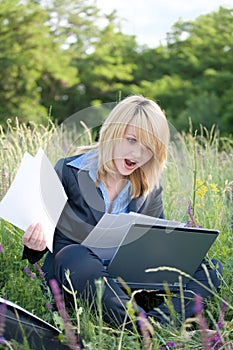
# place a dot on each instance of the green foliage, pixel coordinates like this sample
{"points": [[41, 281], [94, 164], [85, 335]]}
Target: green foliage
{"points": [[58, 58], [202, 159], [200, 52], [106, 69], [28, 55], [18, 286]]}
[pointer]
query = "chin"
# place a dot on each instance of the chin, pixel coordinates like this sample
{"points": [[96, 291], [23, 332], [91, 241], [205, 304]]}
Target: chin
{"points": [[127, 172]]}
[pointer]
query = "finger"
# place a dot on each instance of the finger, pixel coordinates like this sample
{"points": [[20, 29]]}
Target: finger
{"points": [[36, 234], [34, 237], [39, 238], [27, 234], [42, 246], [29, 231]]}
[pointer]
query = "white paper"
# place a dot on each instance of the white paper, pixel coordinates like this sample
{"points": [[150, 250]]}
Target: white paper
{"points": [[35, 195], [110, 231]]}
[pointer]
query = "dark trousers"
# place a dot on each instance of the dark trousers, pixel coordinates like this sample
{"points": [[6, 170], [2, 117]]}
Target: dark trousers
{"points": [[85, 268]]}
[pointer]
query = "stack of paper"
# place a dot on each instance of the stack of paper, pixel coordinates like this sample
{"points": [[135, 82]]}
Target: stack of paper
{"points": [[110, 231], [36, 195]]}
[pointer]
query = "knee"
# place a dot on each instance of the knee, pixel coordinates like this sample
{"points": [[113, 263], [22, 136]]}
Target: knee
{"points": [[77, 257], [215, 273], [208, 274], [81, 262], [217, 265], [71, 255]]}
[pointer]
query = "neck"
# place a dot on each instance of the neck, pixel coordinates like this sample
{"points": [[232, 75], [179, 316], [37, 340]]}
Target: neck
{"points": [[114, 184], [116, 179]]}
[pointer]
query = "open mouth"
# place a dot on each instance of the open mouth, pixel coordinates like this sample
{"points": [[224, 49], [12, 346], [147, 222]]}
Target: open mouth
{"points": [[130, 164]]}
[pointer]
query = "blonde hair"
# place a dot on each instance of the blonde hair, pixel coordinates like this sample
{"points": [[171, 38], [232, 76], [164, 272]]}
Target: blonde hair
{"points": [[152, 131]]}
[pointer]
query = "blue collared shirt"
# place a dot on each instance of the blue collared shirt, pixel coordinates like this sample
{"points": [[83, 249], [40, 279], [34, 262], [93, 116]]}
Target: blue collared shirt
{"points": [[89, 162]]}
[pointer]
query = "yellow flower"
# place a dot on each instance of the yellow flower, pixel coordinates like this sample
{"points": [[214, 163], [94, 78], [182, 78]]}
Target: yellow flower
{"points": [[201, 188], [214, 188]]}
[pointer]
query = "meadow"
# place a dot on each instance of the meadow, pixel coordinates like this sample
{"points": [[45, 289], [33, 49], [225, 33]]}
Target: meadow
{"points": [[198, 188]]}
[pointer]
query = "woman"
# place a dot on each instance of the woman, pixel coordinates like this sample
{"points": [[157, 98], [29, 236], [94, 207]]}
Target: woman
{"points": [[119, 174]]}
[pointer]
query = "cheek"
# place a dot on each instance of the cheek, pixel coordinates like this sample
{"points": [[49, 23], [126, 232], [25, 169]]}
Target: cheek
{"points": [[148, 156], [118, 151]]}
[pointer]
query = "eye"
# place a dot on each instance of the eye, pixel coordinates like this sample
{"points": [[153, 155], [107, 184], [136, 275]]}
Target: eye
{"points": [[131, 140]]}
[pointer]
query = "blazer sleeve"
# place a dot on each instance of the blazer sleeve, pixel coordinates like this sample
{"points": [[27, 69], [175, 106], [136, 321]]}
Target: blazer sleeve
{"points": [[33, 255]]}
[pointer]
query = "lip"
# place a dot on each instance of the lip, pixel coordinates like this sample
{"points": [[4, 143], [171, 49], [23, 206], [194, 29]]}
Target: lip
{"points": [[128, 166]]}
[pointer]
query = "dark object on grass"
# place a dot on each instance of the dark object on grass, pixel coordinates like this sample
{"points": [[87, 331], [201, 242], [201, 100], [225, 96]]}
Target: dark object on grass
{"points": [[18, 324]]}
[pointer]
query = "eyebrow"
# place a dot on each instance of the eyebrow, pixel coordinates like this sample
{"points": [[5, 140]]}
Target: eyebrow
{"points": [[131, 134]]}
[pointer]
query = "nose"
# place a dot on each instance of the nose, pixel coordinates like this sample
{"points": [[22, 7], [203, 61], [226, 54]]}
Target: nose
{"points": [[137, 150]]}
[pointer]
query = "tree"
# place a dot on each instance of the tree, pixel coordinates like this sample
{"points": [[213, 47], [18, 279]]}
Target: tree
{"points": [[28, 54], [106, 69], [75, 27], [201, 52], [192, 75], [61, 55]]}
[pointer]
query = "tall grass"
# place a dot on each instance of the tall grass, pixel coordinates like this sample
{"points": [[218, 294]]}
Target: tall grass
{"points": [[199, 170]]}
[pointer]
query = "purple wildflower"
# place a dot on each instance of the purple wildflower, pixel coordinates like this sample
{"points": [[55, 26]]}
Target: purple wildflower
{"points": [[29, 272], [142, 316], [222, 314], [1, 248], [41, 272], [145, 329], [198, 306], [190, 213], [49, 306], [198, 309], [189, 223], [216, 340], [171, 344], [2, 341], [63, 313]]}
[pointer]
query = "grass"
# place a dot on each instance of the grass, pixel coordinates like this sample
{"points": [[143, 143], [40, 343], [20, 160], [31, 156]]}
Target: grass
{"points": [[199, 170]]}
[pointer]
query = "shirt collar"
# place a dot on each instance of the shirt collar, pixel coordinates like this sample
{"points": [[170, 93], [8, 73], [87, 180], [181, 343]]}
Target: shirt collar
{"points": [[87, 161]]}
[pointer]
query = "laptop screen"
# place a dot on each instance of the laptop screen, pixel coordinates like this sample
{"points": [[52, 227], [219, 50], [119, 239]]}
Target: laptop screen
{"points": [[161, 248]]}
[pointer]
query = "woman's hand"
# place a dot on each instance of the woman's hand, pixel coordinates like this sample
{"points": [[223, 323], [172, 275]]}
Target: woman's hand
{"points": [[34, 237]]}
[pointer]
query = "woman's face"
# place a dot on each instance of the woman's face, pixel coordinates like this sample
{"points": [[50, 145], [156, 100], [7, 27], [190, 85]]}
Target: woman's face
{"points": [[129, 154]]}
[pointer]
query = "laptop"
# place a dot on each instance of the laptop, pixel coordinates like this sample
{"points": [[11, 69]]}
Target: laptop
{"points": [[153, 247]]}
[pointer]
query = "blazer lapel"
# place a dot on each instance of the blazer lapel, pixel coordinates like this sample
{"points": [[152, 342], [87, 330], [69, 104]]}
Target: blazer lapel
{"points": [[136, 204], [91, 194], [94, 199]]}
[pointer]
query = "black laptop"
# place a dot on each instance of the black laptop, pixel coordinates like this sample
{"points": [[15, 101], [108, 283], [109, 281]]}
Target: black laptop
{"points": [[164, 249]]}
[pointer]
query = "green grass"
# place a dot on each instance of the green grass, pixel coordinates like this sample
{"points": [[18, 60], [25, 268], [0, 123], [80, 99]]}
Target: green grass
{"points": [[199, 170]]}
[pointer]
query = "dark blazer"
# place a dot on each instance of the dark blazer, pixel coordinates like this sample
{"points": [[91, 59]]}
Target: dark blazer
{"points": [[85, 207]]}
